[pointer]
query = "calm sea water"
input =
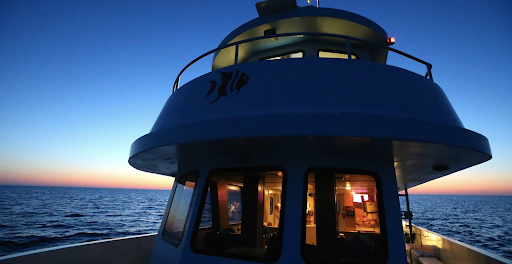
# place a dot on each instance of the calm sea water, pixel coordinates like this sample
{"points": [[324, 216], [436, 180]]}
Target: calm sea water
{"points": [[39, 217]]}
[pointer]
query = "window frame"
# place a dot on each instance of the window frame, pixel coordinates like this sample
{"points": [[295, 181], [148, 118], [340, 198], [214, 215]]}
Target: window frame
{"points": [[380, 203], [168, 236], [204, 194]]}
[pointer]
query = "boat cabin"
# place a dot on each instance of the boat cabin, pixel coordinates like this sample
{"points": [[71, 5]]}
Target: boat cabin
{"points": [[294, 147]]}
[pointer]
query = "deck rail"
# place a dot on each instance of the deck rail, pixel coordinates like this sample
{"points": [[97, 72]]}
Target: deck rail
{"points": [[127, 250], [348, 39]]}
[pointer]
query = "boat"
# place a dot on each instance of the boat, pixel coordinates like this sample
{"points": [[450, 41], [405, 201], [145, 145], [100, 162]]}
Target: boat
{"points": [[295, 148]]}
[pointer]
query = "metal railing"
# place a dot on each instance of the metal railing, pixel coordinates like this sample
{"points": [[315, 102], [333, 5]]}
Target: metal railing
{"points": [[348, 39]]}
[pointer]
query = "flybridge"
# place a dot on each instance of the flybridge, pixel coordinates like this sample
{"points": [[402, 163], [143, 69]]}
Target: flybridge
{"points": [[284, 30]]}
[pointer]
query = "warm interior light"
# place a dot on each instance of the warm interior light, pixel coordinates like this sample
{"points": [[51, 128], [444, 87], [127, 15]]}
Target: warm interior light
{"points": [[391, 41], [233, 187], [359, 198]]}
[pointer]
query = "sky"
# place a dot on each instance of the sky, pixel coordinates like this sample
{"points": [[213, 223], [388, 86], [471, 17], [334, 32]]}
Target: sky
{"points": [[81, 80]]}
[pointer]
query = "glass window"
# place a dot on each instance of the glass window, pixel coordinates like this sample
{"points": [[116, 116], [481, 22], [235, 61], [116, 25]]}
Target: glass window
{"points": [[180, 205], [241, 213], [336, 55], [297, 54], [342, 218]]}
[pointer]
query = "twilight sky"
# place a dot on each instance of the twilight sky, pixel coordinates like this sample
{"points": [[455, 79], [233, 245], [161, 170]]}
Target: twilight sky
{"points": [[81, 80]]}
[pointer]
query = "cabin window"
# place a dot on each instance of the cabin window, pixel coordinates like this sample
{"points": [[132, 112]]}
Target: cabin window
{"points": [[241, 215], [295, 54], [342, 219], [336, 55], [180, 206]]}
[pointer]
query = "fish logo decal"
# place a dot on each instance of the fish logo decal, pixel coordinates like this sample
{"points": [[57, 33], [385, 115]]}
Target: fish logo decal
{"points": [[239, 80]]}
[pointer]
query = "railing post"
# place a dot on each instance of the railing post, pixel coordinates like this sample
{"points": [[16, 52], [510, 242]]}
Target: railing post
{"points": [[236, 54], [176, 84], [349, 52], [429, 72]]}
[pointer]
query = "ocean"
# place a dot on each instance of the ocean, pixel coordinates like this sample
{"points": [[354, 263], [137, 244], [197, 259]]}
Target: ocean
{"points": [[40, 217]]}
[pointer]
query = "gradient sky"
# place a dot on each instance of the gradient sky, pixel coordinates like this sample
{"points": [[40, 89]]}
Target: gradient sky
{"points": [[81, 80]]}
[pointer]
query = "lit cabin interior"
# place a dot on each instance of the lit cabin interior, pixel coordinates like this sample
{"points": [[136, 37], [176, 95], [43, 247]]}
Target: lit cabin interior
{"points": [[240, 214], [355, 205]]}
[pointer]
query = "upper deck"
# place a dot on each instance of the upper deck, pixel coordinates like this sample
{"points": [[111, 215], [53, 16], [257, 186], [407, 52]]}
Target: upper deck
{"points": [[324, 73], [304, 32]]}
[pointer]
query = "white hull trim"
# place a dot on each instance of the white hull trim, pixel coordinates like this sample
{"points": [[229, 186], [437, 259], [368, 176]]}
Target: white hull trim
{"points": [[126, 250], [449, 250]]}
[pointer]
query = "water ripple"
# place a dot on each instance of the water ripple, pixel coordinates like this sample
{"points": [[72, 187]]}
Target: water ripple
{"points": [[40, 217]]}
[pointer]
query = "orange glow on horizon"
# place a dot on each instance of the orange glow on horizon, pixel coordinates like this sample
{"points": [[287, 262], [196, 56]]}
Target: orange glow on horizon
{"points": [[133, 180], [475, 182], [467, 183]]}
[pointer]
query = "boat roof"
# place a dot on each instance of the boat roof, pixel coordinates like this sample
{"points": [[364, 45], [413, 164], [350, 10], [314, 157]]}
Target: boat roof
{"points": [[307, 11]]}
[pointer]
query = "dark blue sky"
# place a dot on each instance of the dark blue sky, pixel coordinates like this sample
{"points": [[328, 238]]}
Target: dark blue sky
{"points": [[81, 80]]}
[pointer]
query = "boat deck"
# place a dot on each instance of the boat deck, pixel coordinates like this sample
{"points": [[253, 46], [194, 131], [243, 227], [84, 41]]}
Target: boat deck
{"points": [[430, 247]]}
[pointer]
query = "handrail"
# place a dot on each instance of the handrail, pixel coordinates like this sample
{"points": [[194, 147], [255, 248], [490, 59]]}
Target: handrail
{"points": [[314, 34]]}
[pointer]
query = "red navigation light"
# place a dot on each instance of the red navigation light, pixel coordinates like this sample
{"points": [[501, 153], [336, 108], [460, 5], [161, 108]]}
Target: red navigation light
{"points": [[391, 41]]}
